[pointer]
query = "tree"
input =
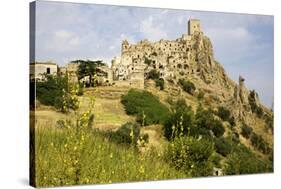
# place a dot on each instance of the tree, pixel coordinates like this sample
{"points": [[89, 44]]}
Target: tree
{"points": [[88, 68], [55, 91], [179, 121]]}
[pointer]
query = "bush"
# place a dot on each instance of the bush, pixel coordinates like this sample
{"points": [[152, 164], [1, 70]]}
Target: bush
{"points": [[187, 86], [269, 121], [224, 113], [147, 61], [206, 122], [192, 155], [128, 133], [259, 143], [179, 121], [223, 146], [232, 121], [50, 92], [217, 128], [159, 83], [55, 91], [153, 74], [147, 107], [204, 118], [246, 131], [216, 159], [243, 161]]}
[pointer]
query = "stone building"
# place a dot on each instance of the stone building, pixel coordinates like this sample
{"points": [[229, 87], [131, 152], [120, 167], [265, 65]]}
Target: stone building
{"points": [[173, 59], [38, 69]]}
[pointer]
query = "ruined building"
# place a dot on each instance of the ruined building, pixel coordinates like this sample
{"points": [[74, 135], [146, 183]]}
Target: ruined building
{"points": [[172, 58]]}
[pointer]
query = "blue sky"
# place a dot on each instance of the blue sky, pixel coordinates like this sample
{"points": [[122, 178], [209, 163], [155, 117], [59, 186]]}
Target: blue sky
{"points": [[242, 43]]}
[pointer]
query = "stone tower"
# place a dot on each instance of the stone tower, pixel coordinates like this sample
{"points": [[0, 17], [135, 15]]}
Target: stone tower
{"points": [[193, 26], [125, 45]]}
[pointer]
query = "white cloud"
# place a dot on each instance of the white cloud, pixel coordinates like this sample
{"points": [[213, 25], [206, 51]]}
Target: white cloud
{"points": [[63, 41], [152, 30]]}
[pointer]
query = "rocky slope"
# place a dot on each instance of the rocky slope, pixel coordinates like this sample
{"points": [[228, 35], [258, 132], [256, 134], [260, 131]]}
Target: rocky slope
{"points": [[210, 78]]}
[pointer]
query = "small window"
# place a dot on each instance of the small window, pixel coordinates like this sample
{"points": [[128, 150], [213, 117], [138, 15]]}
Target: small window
{"points": [[48, 70]]}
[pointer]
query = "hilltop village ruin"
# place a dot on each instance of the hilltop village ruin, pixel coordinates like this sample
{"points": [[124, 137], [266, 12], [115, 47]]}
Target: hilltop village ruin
{"points": [[172, 58]]}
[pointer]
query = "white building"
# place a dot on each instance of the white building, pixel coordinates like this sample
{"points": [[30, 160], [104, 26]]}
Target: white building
{"points": [[38, 69]]}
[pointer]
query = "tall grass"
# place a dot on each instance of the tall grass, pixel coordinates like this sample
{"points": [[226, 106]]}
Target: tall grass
{"points": [[73, 153], [97, 161]]}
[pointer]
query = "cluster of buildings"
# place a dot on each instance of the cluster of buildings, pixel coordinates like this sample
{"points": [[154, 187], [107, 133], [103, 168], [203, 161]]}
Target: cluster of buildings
{"points": [[173, 59]]}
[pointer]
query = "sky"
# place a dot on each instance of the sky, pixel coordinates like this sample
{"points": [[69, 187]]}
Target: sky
{"points": [[242, 43]]}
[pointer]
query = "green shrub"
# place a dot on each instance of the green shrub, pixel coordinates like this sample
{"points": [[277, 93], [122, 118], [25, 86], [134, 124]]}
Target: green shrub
{"points": [[147, 61], [204, 118], [179, 121], [269, 121], [217, 128], [145, 106], [224, 113], [232, 121], [259, 143], [243, 161], [128, 133], [153, 74], [216, 159], [246, 131], [192, 155], [55, 91], [206, 122], [159, 83], [187, 86], [223, 146], [50, 92]]}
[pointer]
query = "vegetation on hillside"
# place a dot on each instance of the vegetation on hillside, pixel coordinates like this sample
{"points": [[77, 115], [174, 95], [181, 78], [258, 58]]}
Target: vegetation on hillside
{"points": [[196, 141], [155, 75], [88, 68], [55, 91], [147, 107], [187, 86]]}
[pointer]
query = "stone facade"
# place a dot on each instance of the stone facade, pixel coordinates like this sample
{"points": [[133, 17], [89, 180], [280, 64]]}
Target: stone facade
{"points": [[174, 59], [38, 69]]}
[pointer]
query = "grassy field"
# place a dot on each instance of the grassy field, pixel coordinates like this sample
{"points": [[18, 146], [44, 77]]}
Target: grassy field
{"points": [[67, 156], [60, 161]]}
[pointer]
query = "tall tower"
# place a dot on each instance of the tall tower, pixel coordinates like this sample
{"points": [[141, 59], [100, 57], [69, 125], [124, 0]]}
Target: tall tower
{"points": [[125, 45], [193, 26]]}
